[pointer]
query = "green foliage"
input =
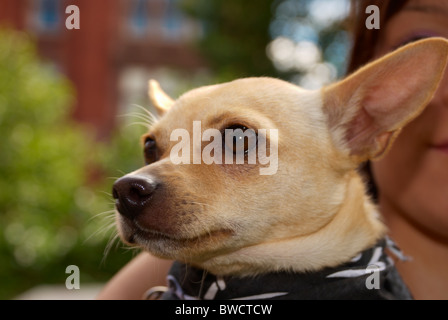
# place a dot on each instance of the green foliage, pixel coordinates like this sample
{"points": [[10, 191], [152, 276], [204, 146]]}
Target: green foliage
{"points": [[48, 200], [235, 36], [239, 38], [322, 22]]}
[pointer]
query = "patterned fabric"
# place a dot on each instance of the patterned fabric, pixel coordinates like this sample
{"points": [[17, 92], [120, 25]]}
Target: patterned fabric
{"points": [[369, 275]]}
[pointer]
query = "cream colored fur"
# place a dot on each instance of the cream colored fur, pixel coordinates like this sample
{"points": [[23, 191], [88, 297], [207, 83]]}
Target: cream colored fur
{"points": [[313, 213]]}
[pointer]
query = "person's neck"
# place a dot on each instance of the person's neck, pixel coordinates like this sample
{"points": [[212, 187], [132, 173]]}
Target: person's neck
{"points": [[426, 272]]}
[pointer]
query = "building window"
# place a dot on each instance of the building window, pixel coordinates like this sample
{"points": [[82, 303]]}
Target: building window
{"points": [[172, 20], [158, 20], [48, 15], [139, 19]]}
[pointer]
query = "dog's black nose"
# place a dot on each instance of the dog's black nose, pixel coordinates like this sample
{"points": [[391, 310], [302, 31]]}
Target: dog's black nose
{"points": [[132, 194]]}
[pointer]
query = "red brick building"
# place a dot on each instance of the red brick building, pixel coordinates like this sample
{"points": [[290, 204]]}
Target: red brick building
{"points": [[115, 38]]}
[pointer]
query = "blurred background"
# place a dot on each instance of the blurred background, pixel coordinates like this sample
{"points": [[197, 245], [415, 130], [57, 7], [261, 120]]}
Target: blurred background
{"points": [[69, 116]]}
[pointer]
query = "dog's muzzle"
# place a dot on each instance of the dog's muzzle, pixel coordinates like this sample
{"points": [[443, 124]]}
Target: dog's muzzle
{"points": [[132, 194]]}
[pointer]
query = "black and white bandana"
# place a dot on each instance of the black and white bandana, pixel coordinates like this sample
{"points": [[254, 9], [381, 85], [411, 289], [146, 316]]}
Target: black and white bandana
{"points": [[369, 275]]}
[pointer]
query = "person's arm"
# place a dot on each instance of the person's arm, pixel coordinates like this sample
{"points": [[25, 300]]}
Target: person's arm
{"points": [[142, 273]]}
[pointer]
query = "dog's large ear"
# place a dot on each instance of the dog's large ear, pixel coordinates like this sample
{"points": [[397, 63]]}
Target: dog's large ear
{"points": [[160, 100], [367, 110]]}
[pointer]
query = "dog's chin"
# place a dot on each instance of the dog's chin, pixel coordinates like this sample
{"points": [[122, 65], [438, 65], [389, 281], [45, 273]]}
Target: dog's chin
{"points": [[187, 248]]}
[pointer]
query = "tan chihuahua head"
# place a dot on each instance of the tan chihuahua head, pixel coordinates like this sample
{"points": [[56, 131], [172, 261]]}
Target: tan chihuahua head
{"points": [[259, 175]]}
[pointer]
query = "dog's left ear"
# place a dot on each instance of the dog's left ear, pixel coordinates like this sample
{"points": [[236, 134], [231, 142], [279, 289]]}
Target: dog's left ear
{"points": [[367, 110], [160, 100]]}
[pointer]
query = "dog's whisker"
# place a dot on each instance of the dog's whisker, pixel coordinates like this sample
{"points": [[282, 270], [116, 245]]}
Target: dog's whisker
{"points": [[150, 118], [113, 178], [121, 172], [108, 194], [140, 114], [107, 216], [135, 250], [103, 230], [144, 124], [143, 112], [146, 111], [108, 213], [145, 118], [110, 218], [113, 238], [111, 224]]}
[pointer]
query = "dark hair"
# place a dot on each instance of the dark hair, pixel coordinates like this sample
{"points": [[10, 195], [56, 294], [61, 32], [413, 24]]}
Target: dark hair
{"points": [[365, 40], [363, 49]]}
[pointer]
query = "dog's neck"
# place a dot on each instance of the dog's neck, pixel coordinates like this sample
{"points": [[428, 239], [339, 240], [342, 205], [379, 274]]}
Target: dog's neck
{"points": [[354, 228]]}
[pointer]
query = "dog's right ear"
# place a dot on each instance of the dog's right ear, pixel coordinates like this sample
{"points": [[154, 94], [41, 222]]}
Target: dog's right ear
{"points": [[367, 110], [160, 100]]}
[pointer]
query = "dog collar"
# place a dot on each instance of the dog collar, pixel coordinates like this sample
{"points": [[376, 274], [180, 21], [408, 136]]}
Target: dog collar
{"points": [[369, 275]]}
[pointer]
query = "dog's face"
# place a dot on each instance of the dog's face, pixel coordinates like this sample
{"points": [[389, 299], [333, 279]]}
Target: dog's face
{"points": [[305, 144], [188, 210]]}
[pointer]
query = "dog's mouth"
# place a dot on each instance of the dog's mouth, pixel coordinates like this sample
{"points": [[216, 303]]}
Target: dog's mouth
{"points": [[140, 236], [172, 245]]}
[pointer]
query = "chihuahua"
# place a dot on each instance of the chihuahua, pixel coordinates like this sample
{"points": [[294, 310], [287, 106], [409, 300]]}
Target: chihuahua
{"points": [[252, 185]]}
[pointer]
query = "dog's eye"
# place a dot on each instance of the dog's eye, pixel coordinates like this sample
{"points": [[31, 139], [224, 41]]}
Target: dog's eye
{"points": [[239, 139], [150, 151]]}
